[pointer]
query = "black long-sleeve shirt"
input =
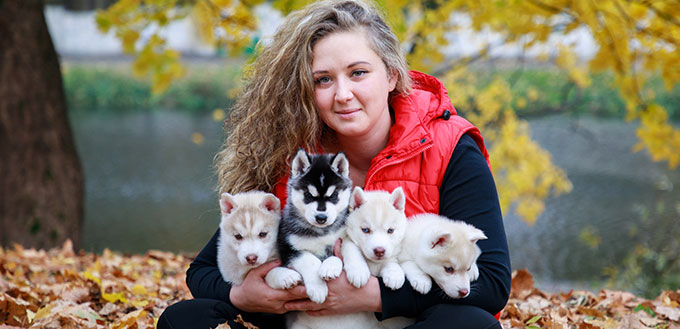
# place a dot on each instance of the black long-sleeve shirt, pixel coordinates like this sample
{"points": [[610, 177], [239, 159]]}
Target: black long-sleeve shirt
{"points": [[468, 193]]}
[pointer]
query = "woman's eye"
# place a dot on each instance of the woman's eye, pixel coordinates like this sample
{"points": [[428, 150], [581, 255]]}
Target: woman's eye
{"points": [[322, 80], [263, 234], [366, 230], [449, 269], [358, 73], [238, 237], [390, 231]]}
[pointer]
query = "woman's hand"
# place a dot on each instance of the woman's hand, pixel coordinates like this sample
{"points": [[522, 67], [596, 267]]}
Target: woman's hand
{"points": [[254, 295], [343, 297]]}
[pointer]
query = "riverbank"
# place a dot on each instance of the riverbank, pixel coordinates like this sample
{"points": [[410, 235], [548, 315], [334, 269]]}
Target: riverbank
{"points": [[108, 86], [60, 288]]}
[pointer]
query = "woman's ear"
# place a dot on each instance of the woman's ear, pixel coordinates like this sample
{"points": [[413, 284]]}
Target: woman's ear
{"points": [[392, 76]]}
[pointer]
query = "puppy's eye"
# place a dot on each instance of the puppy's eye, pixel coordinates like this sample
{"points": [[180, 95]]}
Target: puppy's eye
{"points": [[262, 235], [469, 268], [238, 237], [390, 231], [308, 195], [366, 230], [449, 269]]}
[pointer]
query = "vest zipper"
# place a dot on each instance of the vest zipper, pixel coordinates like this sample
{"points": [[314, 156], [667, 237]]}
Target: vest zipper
{"points": [[394, 162]]}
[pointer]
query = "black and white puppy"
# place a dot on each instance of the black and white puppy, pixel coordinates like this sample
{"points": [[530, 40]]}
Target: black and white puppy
{"points": [[313, 219]]}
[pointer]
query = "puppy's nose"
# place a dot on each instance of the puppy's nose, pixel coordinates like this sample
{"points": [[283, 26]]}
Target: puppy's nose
{"points": [[252, 259], [379, 252], [463, 292], [321, 218]]}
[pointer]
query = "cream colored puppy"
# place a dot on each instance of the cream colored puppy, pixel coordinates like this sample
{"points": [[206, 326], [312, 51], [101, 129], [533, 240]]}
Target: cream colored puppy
{"points": [[443, 249], [375, 229], [248, 230]]}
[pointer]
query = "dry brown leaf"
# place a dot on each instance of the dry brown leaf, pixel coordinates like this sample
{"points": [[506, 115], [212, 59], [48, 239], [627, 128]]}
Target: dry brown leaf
{"points": [[671, 313], [591, 311], [248, 325], [223, 326], [61, 289], [522, 284]]}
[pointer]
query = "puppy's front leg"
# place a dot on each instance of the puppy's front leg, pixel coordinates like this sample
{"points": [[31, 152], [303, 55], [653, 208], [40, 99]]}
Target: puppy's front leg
{"points": [[356, 267], [419, 280], [393, 275], [308, 266], [282, 278], [331, 268]]}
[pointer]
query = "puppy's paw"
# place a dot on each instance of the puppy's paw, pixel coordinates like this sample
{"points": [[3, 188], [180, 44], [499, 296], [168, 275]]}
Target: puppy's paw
{"points": [[282, 278], [357, 274], [330, 268], [393, 277], [317, 292], [421, 283]]}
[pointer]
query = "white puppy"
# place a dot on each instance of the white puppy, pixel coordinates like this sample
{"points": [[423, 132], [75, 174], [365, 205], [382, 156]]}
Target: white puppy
{"points": [[443, 249], [248, 230], [375, 229]]}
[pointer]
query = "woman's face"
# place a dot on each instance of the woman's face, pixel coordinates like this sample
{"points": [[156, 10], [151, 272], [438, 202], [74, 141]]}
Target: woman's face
{"points": [[351, 85]]}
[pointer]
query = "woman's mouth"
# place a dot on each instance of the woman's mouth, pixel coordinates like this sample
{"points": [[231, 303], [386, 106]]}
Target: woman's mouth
{"points": [[347, 113]]}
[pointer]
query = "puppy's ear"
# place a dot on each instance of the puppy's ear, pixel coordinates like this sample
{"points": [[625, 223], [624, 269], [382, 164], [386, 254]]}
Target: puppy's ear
{"points": [[474, 234], [340, 164], [300, 163], [227, 203], [398, 199], [357, 199], [271, 203], [441, 240]]}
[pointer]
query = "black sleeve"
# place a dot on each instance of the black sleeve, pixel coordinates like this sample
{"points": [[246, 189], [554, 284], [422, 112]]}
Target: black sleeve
{"points": [[468, 193], [203, 276]]}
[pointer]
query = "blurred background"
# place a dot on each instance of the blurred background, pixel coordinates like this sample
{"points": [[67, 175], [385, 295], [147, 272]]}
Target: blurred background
{"points": [[583, 130]]}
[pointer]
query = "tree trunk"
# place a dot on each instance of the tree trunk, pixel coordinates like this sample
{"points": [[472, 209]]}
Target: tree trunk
{"points": [[41, 180]]}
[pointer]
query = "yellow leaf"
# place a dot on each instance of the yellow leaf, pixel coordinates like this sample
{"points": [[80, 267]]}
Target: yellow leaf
{"points": [[114, 297], [138, 289]]}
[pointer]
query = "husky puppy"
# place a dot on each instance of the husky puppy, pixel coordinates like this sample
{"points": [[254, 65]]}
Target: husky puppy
{"points": [[313, 220], [375, 229], [248, 230], [442, 249]]}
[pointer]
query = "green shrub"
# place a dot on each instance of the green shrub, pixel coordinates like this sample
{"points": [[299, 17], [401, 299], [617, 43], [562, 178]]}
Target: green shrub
{"points": [[112, 88]]}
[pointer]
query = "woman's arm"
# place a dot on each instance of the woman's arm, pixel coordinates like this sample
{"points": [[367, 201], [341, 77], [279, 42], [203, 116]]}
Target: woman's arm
{"points": [[203, 276], [468, 193]]}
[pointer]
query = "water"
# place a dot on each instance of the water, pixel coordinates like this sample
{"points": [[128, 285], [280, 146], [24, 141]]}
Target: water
{"points": [[148, 186]]}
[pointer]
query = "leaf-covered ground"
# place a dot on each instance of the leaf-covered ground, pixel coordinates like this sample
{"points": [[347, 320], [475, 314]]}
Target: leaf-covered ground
{"points": [[58, 288]]}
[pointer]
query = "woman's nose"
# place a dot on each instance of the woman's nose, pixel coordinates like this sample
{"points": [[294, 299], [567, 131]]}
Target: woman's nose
{"points": [[343, 92]]}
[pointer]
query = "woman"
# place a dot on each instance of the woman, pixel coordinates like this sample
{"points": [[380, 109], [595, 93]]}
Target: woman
{"points": [[333, 79]]}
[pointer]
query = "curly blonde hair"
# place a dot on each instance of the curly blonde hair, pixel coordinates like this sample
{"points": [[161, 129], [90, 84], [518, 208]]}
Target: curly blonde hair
{"points": [[275, 113]]}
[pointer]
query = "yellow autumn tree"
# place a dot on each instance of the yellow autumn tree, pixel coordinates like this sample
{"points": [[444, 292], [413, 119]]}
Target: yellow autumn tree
{"points": [[636, 39]]}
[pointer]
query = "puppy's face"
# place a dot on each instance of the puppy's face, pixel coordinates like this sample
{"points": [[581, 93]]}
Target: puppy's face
{"points": [[377, 223], [449, 256], [319, 187], [249, 225]]}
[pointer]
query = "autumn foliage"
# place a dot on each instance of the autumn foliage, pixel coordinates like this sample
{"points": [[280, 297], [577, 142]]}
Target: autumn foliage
{"points": [[58, 288]]}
